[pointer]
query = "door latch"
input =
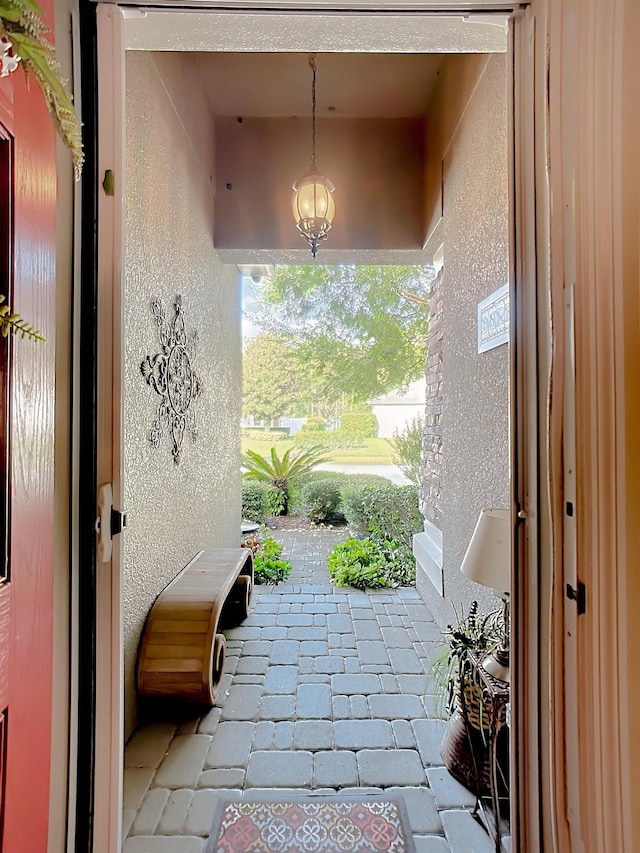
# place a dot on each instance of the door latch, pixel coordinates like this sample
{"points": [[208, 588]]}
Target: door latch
{"points": [[109, 523], [578, 595]]}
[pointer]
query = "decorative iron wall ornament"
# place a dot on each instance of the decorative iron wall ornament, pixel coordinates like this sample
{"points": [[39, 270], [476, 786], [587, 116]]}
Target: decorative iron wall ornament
{"points": [[171, 374]]}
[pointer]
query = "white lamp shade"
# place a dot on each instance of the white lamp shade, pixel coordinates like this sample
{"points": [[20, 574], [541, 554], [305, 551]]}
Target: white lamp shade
{"points": [[488, 557]]}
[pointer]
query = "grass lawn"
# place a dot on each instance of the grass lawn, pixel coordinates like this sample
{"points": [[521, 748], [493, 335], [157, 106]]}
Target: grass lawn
{"points": [[375, 451]]}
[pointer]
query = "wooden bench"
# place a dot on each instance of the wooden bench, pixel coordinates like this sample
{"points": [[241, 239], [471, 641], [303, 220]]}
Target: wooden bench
{"points": [[182, 654]]}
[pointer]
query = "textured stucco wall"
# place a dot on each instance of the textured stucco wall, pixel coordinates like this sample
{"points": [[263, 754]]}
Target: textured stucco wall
{"points": [[475, 416], [174, 510], [457, 80]]}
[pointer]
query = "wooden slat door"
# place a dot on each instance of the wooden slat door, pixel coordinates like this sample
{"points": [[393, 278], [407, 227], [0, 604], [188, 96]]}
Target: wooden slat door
{"points": [[27, 393]]}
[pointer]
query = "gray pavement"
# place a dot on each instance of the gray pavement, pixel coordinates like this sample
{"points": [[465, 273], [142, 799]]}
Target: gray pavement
{"points": [[325, 690]]}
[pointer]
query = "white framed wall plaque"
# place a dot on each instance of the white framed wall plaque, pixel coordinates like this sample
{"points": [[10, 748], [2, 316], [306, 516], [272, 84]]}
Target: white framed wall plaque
{"points": [[493, 319]]}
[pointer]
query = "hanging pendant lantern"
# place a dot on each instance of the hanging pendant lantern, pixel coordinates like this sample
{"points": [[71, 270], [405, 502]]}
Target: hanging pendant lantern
{"points": [[313, 203], [313, 207]]}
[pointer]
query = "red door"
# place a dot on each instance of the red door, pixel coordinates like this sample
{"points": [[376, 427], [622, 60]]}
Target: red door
{"points": [[27, 279]]}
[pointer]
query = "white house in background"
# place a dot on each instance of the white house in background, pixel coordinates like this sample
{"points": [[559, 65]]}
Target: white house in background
{"points": [[398, 408]]}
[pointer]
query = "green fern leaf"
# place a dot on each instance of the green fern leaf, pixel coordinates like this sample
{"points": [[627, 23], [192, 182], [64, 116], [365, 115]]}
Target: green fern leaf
{"points": [[21, 21], [11, 321]]}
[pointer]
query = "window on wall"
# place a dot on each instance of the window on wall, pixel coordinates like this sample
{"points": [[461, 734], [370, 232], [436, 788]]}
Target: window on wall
{"points": [[438, 258]]}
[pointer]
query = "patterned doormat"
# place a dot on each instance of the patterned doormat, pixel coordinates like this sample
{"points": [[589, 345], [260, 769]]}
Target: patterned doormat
{"points": [[311, 825]]}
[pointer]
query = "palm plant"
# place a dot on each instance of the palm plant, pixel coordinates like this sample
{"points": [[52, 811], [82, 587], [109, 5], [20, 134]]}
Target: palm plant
{"points": [[278, 471]]}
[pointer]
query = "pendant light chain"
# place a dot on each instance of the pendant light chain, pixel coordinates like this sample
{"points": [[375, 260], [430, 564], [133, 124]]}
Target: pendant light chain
{"points": [[313, 204], [312, 63]]}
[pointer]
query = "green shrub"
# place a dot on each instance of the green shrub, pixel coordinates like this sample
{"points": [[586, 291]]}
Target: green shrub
{"points": [[360, 422], [346, 439], [372, 562], [305, 438], [387, 510], [356, 500], [313, 424], [254, 500], [268, 567], [314, 476], [400, 564], [342, 481], [357, 562], [335, 477], [277, 501], [264, 435], [319, 500], [356, 480], [407, 446]]}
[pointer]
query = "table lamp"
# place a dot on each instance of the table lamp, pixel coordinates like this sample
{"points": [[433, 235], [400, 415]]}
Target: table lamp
{"points": [[488, 562]]}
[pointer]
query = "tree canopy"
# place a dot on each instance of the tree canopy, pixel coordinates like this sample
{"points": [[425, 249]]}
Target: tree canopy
{"points": [[270, 378], [358, 331]]}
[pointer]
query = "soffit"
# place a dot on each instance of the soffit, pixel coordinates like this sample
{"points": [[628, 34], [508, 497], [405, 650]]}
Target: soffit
{"points": [[349, 85], [272, 32], [331, 5]]}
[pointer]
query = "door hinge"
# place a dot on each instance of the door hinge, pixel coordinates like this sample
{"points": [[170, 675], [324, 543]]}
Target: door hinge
{"points": [[109, 523], [578, 595]]}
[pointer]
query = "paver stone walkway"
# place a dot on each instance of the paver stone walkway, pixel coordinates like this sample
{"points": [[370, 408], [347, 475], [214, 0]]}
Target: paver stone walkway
{"points": [[325, 690]]}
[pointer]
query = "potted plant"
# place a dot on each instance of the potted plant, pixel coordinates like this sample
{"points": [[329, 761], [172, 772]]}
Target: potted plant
{"points": [[457, 686]]}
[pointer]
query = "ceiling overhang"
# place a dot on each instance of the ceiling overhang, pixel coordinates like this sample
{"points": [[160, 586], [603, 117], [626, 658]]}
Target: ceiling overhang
{"points": [[420, 28], [177, 29], [431, 6]]}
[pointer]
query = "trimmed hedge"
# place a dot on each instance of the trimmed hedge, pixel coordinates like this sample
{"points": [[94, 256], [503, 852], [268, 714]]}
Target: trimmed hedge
{"points": [[254, 500], [319, 500], [266, 435], [313, 424], [359, 480], [260, 501], [388, 510], [362, 424], [342, 481]]}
